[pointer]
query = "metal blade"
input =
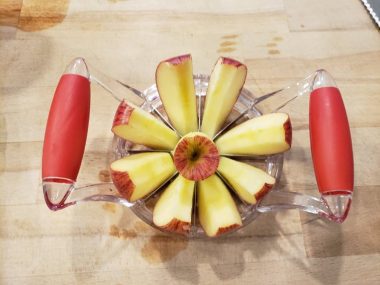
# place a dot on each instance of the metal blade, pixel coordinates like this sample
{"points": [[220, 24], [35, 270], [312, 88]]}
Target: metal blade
{"points": [[373, 7]]}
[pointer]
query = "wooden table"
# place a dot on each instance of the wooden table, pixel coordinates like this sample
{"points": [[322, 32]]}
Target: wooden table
{"points": [[101, 243]]}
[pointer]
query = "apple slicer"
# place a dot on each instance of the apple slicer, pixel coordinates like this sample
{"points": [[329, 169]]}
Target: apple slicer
{"points": [[330, 144]]}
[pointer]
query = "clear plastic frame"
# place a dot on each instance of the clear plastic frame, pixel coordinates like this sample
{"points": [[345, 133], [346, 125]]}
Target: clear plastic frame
{"points": [[60, 191]]}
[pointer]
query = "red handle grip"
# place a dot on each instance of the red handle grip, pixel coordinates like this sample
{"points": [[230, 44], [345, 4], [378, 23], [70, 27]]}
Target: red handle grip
{"points": [[330, 139], [66, 129]]}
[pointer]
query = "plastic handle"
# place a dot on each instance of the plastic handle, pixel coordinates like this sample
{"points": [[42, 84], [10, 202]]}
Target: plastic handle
{"points": [[66, 129], [330, 139]]}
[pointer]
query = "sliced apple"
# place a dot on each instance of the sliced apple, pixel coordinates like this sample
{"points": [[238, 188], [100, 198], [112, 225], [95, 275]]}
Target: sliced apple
{"points": [[134, 124], [267, 134], [175, 84], [226, 81], [218, 213], [195, 156], [137, 175], [249, 182], [172, 211]]}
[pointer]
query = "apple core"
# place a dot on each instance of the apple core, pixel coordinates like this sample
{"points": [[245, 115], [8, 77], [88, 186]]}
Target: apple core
{"points": [[196, 156]]}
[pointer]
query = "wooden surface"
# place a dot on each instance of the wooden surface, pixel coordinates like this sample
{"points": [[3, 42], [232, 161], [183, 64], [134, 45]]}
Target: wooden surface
{"points": [[100, 243]]}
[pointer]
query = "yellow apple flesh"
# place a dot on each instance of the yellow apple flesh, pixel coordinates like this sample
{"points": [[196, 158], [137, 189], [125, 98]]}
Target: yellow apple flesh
{"points": [[137, 175], [173, 210], [226, 81], [175, 85], [264, 135], [249, 182], [218, 213], [134, 124]]}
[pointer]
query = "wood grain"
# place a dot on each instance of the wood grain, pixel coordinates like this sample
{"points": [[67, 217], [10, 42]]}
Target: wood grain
{"points": [[10, 12], [101, 243]]}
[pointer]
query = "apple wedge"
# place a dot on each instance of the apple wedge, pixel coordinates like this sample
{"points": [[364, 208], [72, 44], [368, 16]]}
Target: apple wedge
{"points": [[264, 135], [218, 213], [173, 210], [226, 81], [134, 124], [249, 182], [137, 175], [175, 85]]}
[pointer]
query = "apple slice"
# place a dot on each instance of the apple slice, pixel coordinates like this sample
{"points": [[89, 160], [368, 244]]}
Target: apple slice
{"points": [[218, 213], [134, 124], [226, 81], [174, 80], [264, 135], [249, 182], [137, 175], [172, 211]]}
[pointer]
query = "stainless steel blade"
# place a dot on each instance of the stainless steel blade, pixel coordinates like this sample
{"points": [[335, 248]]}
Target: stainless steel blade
{"points": [[373, 7]]}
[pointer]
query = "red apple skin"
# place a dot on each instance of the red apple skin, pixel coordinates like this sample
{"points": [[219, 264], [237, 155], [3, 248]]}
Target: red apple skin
{"points": [[263, 191], [288, 132], [123, 183], [178, 59], [177, 226], [123, 114], [230, 61], [226, 229]]}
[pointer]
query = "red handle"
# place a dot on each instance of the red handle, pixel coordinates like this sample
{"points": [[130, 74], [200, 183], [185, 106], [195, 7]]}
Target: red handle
{"points": [[66, 129], [330, 139]]}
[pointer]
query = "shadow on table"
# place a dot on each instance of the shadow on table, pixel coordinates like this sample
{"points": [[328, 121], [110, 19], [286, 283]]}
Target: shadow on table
{"points": [[327, 242], [320, 246], [229, 257], [270, 238]]}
